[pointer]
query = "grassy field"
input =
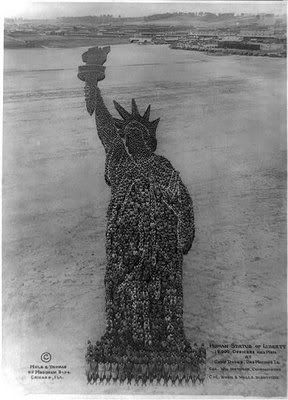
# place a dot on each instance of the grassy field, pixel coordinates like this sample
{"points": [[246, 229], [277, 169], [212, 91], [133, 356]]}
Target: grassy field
{"points": [[53, 41]]}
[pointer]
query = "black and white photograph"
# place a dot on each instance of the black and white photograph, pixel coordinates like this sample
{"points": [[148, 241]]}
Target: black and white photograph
{"points": [[144, 185]]}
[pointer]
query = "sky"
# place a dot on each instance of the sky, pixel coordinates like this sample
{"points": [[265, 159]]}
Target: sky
{"points": [[137, 8]]}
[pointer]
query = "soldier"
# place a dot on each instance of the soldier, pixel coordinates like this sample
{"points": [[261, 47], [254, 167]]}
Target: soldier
{"points": [[151, 370], [108, 371], [97, 350], [187, 369], [125, 359], [144, 369], [194, 371], [94, 368], [166, 372], [101, 370], [89, 373], [114, 368], [159, 369], [90, 349], [139, 370], [202, 372], [121, 373], [195, 349], [129, 370], [89, 357], [173, 371], [202, 353], [134, 369], [181, 371], [118, 357]]}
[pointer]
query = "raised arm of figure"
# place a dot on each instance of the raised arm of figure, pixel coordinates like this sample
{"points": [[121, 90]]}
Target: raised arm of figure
{"points": [[104, 122], [91, 74]]}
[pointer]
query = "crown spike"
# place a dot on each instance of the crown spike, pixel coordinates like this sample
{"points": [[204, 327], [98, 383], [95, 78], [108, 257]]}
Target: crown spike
{"points": [[124, 114], [134, 108], [147, 113], [154, 124]]}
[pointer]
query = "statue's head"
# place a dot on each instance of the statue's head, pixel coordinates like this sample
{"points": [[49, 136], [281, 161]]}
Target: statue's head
{"points": [[137, 132]]}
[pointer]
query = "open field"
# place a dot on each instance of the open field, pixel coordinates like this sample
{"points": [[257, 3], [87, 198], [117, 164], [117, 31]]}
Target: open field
{"points": [[223, 126]]}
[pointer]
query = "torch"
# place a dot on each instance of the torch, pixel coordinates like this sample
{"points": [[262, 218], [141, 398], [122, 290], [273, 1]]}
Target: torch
{"points": [[92, 72]]}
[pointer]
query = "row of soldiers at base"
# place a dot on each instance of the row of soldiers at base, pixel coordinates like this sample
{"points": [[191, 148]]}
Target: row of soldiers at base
{"points": [[143, 370]]}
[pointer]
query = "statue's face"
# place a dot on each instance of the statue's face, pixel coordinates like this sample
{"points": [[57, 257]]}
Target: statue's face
{"points": [[136, 127], [137, 139]]}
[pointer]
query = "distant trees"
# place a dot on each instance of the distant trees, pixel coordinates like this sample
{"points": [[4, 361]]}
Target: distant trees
{"points": [[160, 16], [201, 14], [91, 19]]}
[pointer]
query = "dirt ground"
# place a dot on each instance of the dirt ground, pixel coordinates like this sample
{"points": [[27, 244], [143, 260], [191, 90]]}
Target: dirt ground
{"points": [[222, 126]]}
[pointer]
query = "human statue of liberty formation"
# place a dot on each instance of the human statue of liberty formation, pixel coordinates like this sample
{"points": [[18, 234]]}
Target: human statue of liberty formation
{"points": [[150, 227]]}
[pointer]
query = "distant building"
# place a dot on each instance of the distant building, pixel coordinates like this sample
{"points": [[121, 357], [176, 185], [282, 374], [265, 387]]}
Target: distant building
{"points": [[171, 39], [209, 46], [226, 15], [145, 40], [238, 45], [209, 14], [272, 46], [140, 40], [232, 38]]}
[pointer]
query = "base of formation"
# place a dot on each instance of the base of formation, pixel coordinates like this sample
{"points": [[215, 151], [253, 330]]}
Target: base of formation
{"points": [[149, 382], [147, 369]]}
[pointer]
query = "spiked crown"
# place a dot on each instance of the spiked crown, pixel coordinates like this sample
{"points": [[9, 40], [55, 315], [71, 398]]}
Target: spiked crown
{"points": [[135, 116]]}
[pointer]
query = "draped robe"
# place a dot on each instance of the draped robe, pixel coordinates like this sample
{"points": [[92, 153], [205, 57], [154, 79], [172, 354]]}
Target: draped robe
{"points": [[150, 225]]}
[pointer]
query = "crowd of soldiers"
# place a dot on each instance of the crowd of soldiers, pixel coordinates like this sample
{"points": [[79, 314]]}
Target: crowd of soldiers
{"points": [[144, 340], [143, 368], [150, 226]]}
